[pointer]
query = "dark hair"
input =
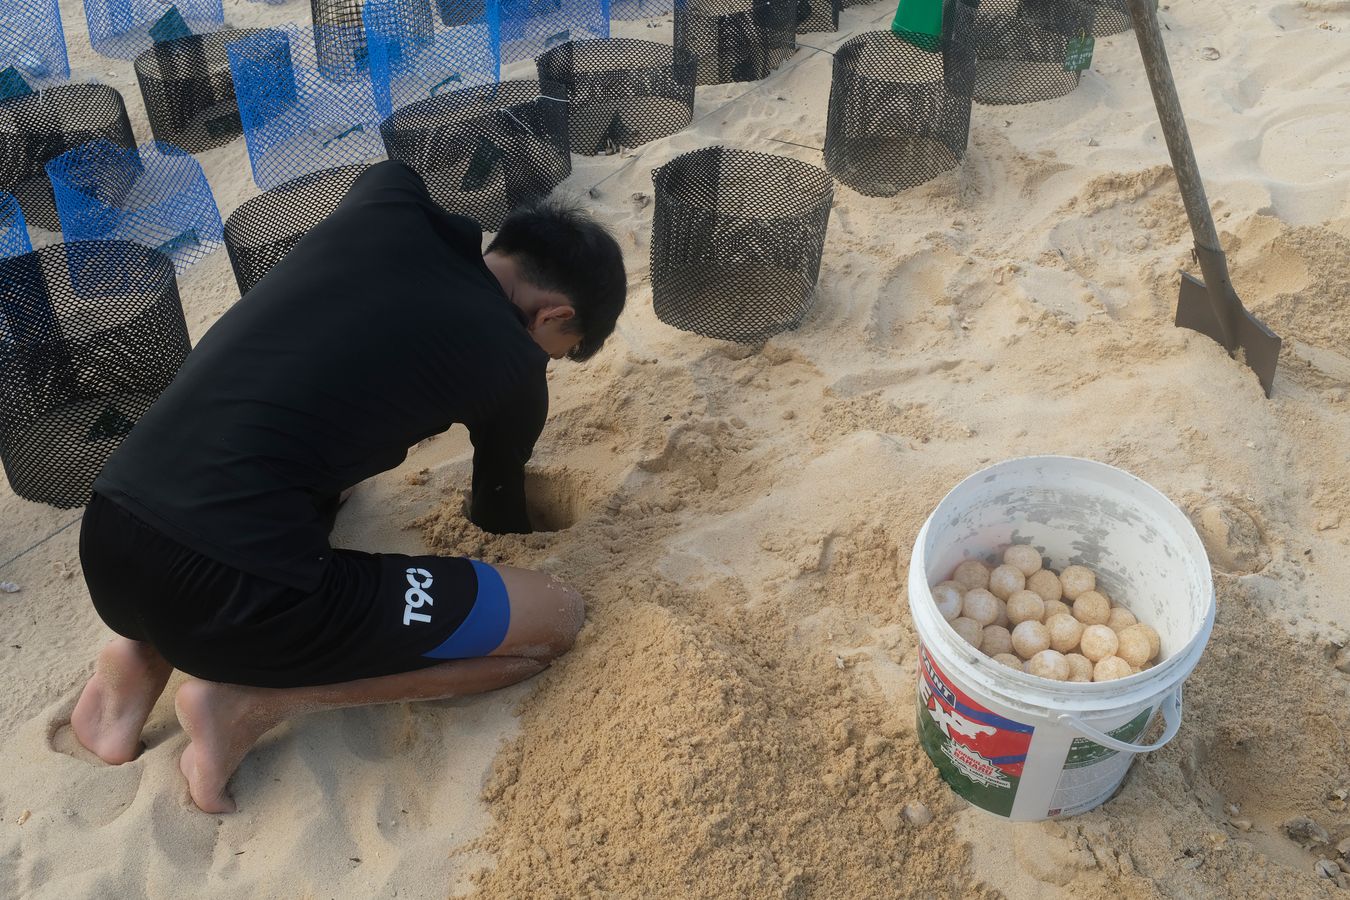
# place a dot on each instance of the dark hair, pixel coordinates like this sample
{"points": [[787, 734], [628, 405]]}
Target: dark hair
{"points": [[558, 247]]}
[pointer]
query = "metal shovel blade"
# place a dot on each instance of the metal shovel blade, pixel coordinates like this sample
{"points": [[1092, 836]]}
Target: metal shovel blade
{"points": [[1199, 308]]}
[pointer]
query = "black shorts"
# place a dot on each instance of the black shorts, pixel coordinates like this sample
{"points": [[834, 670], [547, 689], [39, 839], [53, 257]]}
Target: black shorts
{"points": [[374, 614]]}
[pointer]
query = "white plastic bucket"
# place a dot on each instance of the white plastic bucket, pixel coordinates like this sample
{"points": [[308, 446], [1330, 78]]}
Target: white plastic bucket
{"points": [[1027, 748]]}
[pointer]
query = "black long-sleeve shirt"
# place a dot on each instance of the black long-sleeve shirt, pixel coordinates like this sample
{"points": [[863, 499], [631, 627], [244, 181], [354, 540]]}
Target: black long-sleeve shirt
{"points": [[381, 328]]}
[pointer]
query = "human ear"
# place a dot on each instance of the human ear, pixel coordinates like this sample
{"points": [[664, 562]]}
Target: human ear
{"points": [[560, 314]]}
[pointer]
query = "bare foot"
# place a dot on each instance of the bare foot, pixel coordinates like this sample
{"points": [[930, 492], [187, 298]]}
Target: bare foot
{"points": [[128, 678], [223, 721]]}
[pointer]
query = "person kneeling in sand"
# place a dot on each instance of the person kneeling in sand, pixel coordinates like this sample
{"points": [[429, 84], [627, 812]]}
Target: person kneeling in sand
{"points": [[205, 545]]}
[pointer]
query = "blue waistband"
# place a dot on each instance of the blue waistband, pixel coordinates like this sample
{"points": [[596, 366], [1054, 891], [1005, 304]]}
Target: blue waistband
{"points": [[484, 629]]}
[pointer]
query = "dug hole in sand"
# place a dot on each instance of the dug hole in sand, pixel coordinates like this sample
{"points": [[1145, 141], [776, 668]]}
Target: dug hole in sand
{"points": [[737, 719]]}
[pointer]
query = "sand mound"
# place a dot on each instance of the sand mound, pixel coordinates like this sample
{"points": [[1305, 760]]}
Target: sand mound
{"points": [[738, 718]]}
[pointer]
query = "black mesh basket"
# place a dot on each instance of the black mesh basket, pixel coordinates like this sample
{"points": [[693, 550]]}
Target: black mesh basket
{"points": [[260, 233], [1110, 17], [484, 150], [36, 128], [899, 114], [339, 39], [736, 40], [1020, 47], [623, 92], [188, 91], [736, 242], [818, 15], [90, 334]]}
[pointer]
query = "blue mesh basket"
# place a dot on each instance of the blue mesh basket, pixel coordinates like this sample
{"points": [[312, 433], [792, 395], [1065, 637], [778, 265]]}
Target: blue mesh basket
{"points": [[32, 41], [36, 128], [529, 27], [13, 230], [415, 55], [156, 196], [122, 28], [640, 9], [296, 118]]}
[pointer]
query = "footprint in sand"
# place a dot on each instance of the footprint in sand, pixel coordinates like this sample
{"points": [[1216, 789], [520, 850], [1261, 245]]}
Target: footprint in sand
{"points": [[88, 791]]}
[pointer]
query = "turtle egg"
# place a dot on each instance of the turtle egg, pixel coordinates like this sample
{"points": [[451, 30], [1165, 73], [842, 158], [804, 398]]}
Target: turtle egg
{"points": [[996, 640], [1154, 642], [1091, 608], [1049, 664], [947, 596], [1030, 638], [1065, 632], [1054, 608], [1077, 580], [969, 629], [1098, 642], [1134, 647], [1045, 583], [1080, 667], [971, 574], [1111, 668], [1006, 581], [1026, 558], [1120, 619], [1024, 605], [1009, 660], [981, 606]]}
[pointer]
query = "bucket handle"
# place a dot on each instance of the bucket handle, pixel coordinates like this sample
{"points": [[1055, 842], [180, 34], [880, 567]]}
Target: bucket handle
{"points": [[1171, 710]]}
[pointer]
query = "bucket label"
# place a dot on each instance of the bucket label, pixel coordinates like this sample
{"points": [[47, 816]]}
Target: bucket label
{"points": [[980, 754], [1083, 752], [1092, 772]]}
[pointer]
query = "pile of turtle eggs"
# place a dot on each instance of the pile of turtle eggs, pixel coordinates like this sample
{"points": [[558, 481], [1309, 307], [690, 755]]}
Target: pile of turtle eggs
{"points": [[1056, 626]]}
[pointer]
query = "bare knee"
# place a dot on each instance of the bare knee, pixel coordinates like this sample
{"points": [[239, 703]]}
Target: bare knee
{"points": [[571, 616], [546, 615]]}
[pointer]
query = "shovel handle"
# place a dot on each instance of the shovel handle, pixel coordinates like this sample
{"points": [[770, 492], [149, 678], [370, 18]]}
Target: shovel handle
{"points": [[1159, 71]]}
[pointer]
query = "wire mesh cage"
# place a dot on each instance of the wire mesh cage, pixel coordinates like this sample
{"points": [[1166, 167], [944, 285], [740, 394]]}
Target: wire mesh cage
{"points": [[640, 9], [415, 55], [529, 27], [90, 334], [483, 151], [123, 28], [1021, 47], [13, 230], [818, 15], [188, 92], [1110, 17], [339, 33], [260, 233], [36, 128], [737, 239], [736, 40], [296, 119], [32, 42], [899, 114], [623, 92], [156, 195]]}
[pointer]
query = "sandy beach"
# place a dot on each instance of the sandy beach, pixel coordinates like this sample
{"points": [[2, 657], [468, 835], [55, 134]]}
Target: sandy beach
{"points": [[737, 718]]}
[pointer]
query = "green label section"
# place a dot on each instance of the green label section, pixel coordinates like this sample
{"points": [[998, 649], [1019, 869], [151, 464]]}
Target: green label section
{"points": [[111, 423], [1078, 56], [1083, 752], [961, 768], [170, 27]]}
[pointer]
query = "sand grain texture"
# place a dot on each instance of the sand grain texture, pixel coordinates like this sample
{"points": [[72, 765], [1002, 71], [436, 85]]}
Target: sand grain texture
{"points": [[737, 719]]}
